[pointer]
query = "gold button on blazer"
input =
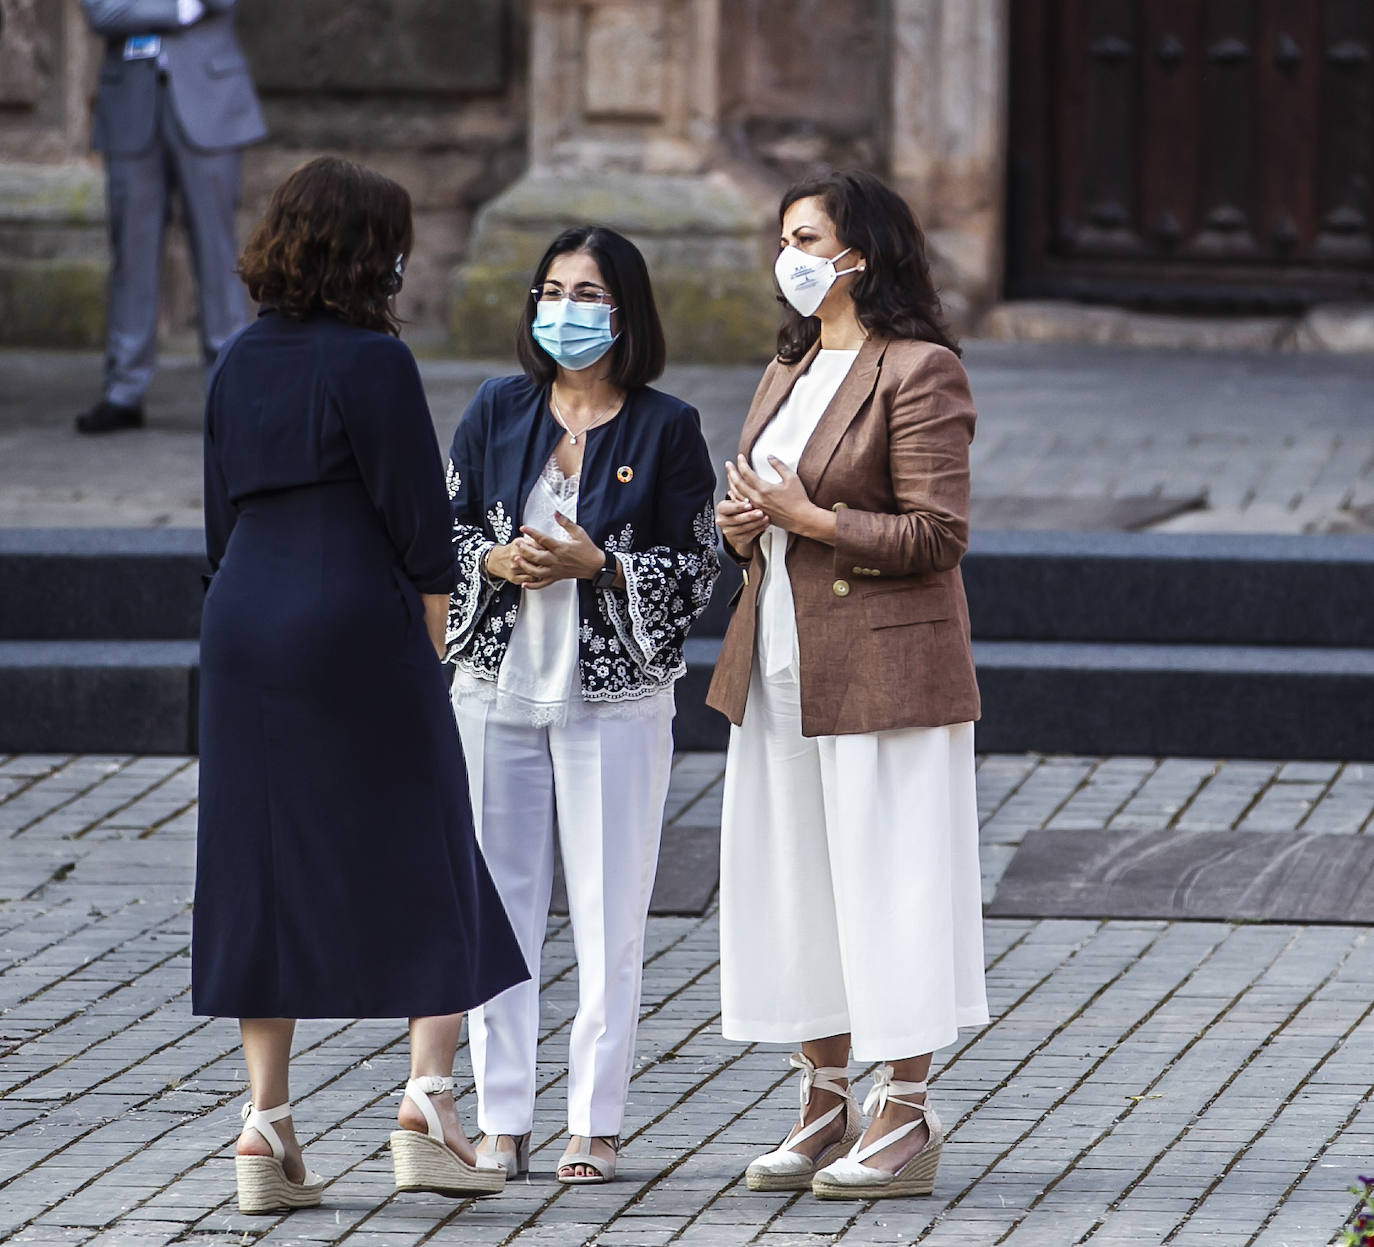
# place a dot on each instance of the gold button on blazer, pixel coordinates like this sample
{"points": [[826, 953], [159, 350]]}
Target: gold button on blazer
{"points": [[890, 458]]}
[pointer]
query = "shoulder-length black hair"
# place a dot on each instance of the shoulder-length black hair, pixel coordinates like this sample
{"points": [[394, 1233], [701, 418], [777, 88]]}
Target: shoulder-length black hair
{"points": [[894, 296], [639, 353], [329, 243]]}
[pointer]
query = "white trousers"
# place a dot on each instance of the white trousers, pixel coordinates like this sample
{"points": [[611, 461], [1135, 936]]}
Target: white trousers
{"points": [[850, 899], [600, 784]]}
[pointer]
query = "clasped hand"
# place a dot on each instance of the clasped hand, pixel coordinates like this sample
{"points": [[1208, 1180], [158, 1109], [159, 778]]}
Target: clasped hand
{"points": [[753, 503], [535, 560]]}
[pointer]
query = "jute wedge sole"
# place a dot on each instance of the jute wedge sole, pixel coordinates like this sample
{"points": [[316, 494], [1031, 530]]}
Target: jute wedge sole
{"points": [[262, 1182], [786, 1169], [424, 1164], [916, 1177], [763, 1180], [850, 1178], [264, 1187]]}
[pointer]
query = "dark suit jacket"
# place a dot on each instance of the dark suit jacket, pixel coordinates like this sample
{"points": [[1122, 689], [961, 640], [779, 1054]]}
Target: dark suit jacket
{"points": [[207, 77], [882, 623]]}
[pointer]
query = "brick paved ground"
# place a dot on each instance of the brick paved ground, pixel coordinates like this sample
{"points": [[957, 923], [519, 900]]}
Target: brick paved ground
{"points": [[1277, 443], [1140, 1083]]}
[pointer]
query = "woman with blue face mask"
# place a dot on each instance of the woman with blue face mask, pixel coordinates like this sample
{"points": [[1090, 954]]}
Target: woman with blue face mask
{"points": [[586, 548]]}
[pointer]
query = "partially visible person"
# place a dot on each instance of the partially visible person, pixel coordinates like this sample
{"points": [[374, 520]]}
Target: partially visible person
{"points": [[174, 108], [581, 502], [337, 873], [850, 905]]}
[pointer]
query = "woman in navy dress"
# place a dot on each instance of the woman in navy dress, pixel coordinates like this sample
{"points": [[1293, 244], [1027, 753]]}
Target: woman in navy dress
{"points": [[337, 873]]}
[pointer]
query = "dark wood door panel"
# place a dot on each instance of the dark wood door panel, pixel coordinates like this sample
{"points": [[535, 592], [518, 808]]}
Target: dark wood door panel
{"points": [[1186, 151]]}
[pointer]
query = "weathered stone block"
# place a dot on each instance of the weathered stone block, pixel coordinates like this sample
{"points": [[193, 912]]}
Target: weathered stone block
{"points": [[52, 302], [1053, 321], [1337, 327], [705, 240], [52, 255], [407, 46], [623, 54]]}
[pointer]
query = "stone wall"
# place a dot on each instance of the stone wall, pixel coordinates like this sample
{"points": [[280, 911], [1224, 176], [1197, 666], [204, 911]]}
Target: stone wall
{"points": [[679, 121], [430, 92]]}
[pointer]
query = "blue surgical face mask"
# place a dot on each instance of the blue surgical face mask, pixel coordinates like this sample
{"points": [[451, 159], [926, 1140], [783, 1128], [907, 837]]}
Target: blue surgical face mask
{"points": [[574, 335]]}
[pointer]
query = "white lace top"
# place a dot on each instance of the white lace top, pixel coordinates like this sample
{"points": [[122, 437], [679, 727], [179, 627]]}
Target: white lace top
{"points": [[538, 683]]}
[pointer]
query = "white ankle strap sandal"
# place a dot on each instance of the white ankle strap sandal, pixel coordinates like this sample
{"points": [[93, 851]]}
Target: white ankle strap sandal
{"points": [[263, 1186], [850, 1178], [785, 1168], [425, 1162]]}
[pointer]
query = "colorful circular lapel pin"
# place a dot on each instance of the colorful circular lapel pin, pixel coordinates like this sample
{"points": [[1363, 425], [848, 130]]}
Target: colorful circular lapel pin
{"points": [[625, 475]]}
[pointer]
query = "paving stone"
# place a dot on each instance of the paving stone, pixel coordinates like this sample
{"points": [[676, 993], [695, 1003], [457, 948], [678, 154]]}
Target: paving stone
{"points": [[1138, 1079]]}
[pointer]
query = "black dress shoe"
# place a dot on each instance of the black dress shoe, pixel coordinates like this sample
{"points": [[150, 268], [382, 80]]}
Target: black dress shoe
{"points": [[106, 417]]}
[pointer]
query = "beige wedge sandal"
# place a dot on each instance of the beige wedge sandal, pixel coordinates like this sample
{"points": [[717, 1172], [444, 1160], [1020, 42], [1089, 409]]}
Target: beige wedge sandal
{"points": [[850, 1178], [425, 1162], [516, 1162], [262, 1182], [785, 1168]]}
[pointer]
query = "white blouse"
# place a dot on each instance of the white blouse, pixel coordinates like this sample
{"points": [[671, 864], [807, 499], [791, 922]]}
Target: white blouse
{"points": [[539, 684], [785, 438]]}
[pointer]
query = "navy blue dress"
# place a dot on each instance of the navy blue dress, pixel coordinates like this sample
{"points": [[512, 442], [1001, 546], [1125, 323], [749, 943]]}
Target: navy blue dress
{"points": [[337, 874]]}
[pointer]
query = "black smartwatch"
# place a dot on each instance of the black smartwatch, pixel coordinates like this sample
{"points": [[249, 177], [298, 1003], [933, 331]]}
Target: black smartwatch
{"points": [[605, 578]]}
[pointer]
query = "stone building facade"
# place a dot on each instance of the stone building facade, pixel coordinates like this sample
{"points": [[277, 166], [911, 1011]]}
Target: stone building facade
{"points": [[677, 121]]}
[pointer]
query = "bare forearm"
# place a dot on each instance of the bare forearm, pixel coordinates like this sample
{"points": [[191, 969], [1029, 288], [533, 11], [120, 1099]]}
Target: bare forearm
{"points": [[436, 619], [818, 524]]}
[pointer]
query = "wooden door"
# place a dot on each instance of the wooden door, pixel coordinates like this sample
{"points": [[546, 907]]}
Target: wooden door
{"points": [[1196, 153]]}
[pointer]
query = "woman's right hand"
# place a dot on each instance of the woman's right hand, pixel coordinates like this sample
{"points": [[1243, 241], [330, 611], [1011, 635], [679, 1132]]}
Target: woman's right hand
{"points": [[741, 523], [502, 564]]}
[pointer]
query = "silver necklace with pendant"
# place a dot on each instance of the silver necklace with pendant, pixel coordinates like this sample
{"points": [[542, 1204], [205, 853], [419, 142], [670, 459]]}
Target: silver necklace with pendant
{"points": [[586, 428]]}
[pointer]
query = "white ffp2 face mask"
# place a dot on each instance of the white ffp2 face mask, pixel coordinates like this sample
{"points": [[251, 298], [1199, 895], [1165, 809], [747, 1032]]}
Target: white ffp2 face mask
{"points": [[805, 279]]}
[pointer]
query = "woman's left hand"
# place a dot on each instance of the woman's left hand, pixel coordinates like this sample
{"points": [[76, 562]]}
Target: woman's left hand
{"points": [[785, 502], [542, 560]]}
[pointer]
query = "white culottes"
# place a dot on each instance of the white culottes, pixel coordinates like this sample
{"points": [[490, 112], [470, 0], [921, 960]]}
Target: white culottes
{"points": [[600, 784], [850, 898]]}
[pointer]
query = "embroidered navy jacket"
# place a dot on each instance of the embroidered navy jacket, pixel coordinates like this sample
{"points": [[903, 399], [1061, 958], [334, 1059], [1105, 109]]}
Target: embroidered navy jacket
{"points": [[645, 493]]}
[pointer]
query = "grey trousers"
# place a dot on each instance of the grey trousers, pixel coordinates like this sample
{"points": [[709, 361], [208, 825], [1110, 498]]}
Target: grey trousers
{"points": [[138, 192]]}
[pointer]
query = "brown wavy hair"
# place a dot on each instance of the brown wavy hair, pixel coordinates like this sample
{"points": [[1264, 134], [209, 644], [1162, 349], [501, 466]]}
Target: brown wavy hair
{"points": [[895, 295], [328, 242]]}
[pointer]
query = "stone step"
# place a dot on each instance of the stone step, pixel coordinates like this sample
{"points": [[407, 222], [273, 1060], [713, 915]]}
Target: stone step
{"points": [[98, 696], [1086, 642], [132, 584], [1052, 697], [1208, 589], [144, 584], [1149, 700]]}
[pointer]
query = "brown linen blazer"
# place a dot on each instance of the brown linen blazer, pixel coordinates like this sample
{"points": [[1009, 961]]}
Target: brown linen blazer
{"points": [[882, 622]]}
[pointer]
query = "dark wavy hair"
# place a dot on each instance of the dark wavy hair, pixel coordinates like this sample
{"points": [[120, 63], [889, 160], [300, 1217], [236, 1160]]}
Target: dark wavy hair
{"points": [[894, 296], [328, 242], [639, 352]]}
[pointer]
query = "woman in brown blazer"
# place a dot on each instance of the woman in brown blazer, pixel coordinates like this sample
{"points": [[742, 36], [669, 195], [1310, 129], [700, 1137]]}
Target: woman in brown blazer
{"points": [[850, 899]]}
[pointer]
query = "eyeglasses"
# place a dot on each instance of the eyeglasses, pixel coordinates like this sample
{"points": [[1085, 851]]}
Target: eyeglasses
{"points": [[583, 292]]}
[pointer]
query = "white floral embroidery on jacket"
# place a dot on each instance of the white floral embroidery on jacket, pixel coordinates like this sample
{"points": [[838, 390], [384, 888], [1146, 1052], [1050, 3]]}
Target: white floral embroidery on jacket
{"points": [[631, 647]]}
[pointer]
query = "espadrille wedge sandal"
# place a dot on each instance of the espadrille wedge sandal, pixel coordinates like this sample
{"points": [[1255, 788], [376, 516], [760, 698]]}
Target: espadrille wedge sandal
{"points": [[850, 1178], [262, 1181], [425, 1162], [785, 1168]]}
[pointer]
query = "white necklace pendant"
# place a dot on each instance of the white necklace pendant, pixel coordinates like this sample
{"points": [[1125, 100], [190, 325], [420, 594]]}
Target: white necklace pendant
{"points": [[572, 439]]}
